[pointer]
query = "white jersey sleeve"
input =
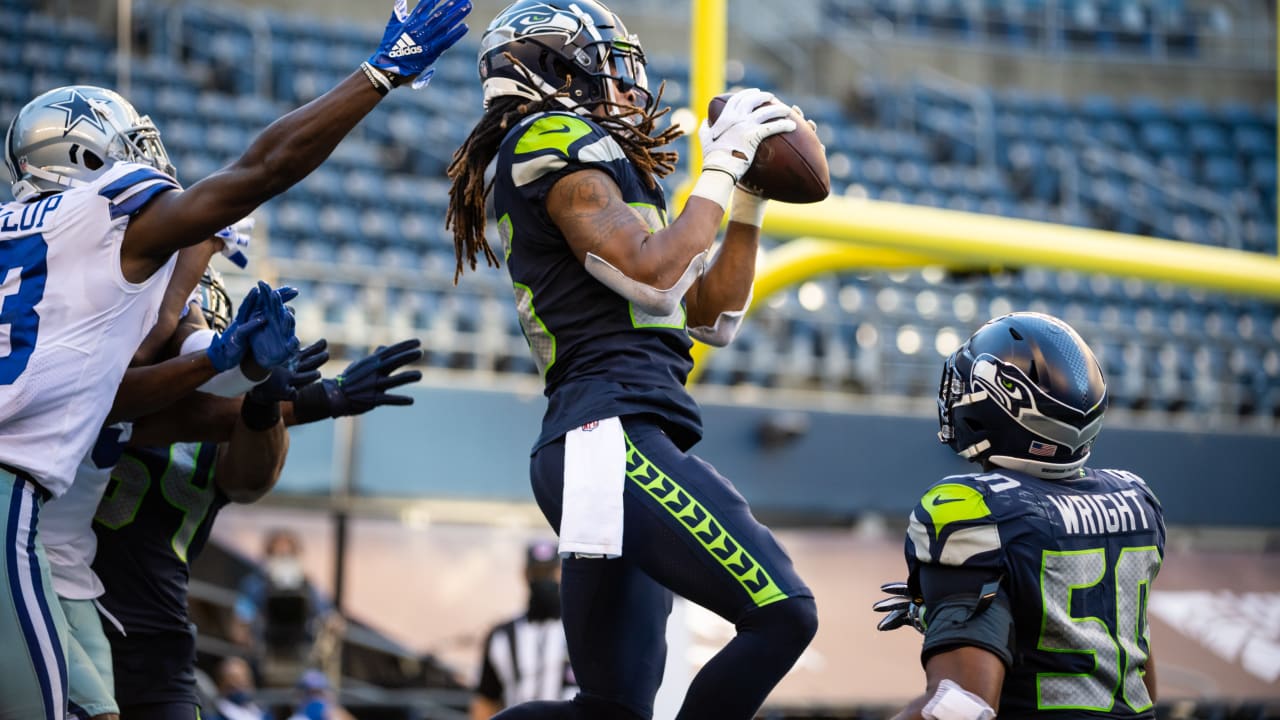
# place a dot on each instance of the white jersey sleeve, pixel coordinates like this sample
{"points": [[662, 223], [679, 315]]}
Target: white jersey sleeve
{"points": [[70, 321]]}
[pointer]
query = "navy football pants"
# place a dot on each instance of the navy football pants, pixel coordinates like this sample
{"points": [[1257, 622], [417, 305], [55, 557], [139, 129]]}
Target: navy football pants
{"points": [[688, 531]]}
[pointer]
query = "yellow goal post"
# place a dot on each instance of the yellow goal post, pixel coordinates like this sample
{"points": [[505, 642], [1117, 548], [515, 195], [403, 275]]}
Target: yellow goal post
{"points": [[842, 233]]}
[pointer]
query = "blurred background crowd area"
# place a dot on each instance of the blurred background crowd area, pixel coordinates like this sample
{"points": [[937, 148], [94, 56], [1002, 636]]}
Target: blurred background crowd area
{"points": [[1154, 117], [1150, 117]]}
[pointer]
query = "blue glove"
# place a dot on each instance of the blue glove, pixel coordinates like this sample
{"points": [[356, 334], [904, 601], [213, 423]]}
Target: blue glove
{"points": [[284, 381], [274, 344], [362, 386], [414, 40], [228, 349], [235, 241]]}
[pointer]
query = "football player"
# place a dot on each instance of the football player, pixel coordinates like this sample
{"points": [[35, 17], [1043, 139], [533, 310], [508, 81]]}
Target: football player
{"points": [[608, 294], [171, 482], [1030, 578], [66, 525], [86, 250]]}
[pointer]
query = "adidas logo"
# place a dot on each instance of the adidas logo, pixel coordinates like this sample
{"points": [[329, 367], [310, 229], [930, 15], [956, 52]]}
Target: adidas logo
{"points": [[405, 46]]}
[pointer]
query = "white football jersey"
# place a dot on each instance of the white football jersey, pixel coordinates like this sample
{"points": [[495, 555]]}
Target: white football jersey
{"points": [[69, 322], [66, 524]]}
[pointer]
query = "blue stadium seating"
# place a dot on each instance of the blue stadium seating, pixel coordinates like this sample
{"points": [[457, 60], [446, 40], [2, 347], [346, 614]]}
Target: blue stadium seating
{"points": [[364, 237]]}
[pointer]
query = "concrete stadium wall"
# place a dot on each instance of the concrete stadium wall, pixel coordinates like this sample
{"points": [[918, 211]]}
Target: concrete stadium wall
{"points": [[460, 443]]}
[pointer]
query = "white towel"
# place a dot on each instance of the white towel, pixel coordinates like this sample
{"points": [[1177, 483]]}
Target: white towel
{"points": [[595, 467]]}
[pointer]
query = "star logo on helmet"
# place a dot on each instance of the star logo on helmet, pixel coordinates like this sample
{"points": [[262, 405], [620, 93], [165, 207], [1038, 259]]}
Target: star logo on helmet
{"points": [[78, 108]]}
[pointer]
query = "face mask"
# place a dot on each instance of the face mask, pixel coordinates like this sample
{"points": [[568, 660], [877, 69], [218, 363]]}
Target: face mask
{"points": [[284, 572], [240, 697], [544, 600]]}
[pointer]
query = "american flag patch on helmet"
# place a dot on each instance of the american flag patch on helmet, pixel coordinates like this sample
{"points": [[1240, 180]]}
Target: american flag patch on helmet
{"points": [[1042, 449]]}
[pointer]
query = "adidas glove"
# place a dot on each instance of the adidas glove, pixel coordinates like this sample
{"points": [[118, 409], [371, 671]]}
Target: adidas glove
{"points": [[235, 241], [414, 40]]}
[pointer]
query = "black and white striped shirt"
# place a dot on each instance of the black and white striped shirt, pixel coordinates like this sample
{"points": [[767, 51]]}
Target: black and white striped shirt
{"points": [[525, 661]]}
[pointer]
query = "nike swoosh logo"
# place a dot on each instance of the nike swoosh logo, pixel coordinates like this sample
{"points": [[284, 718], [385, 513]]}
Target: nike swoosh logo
{"points": [[560, 129], [943, 501]]}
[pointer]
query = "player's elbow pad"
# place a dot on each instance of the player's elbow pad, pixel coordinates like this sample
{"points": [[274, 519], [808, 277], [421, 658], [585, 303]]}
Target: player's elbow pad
{"points": [[725, 328], [229, 383], [643, 295]]}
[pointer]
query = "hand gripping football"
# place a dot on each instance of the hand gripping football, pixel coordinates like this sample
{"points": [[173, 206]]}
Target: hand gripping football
{"points": [[789, 167]]}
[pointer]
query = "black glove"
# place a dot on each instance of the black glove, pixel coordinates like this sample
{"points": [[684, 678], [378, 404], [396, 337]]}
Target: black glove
{"points": [[285, 380], [261, 408], [362, 386], [901, 608]]}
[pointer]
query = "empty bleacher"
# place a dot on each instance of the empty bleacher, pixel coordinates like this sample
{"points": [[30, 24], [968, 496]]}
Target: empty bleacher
{"points": [[364, 236]]}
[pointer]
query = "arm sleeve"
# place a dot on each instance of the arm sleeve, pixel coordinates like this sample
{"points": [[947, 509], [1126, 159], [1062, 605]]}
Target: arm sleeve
{"points": [[489, 685]]}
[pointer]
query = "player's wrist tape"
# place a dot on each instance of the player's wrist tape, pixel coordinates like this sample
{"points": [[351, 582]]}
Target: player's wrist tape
{"points": [[715, 185], [383, 81], [747, 209], [312, 403], [952, 702], [259, 415]]}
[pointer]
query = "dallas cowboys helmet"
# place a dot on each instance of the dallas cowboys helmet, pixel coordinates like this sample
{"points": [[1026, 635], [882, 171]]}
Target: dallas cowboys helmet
{"points": [[1025, 393], [214, 301], [73, 134], [532, 48]]}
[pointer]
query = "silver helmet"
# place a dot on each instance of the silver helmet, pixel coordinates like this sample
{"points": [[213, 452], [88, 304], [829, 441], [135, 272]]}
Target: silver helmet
{"points": [[73, 134]]}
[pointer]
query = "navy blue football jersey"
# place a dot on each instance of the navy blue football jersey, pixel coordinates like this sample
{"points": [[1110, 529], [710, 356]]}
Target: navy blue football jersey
{"points": [[1075, 559], [153, 520], [600, 355]]}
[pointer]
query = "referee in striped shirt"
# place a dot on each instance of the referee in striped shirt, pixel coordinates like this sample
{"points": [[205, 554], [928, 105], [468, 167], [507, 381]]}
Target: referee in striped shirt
{"points": [[526, 658]]}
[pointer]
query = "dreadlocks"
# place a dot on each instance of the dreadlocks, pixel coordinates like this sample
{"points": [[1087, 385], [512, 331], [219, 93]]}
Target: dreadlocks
{"points": [[631, 127]]}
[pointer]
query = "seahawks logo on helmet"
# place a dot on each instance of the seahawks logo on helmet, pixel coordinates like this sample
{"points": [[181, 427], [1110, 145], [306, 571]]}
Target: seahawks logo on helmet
{"points": [[1028, 405], [540, 19]]}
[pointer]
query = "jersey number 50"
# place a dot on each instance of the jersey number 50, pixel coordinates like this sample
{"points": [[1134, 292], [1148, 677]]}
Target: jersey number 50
{"points": [[22, 275], [1117, 649]]}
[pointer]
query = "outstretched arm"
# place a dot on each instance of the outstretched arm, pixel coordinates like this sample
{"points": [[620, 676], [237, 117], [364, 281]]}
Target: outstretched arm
{"points": [[250, 463], [186, 275], [287, 151]]}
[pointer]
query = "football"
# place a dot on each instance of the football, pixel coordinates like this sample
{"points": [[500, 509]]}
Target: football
{"points": [[789, 167]]}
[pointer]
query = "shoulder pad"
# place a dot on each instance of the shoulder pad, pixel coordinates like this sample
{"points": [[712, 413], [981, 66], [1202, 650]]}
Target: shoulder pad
{"points": [[546, 143], [953, 522], [1126, 477], [128, 187]]}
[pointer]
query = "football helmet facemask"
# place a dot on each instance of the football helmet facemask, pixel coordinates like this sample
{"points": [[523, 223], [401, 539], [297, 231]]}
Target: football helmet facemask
{"points": [[73, 134], [1025, 393], [215, 302], [532, 48]]}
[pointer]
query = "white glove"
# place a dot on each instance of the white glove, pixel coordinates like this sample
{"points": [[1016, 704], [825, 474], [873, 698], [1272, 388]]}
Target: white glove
{"points": [[730, 144], [235, 241]]}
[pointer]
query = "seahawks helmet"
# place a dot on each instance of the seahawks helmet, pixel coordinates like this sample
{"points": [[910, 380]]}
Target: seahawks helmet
{"points": [[214, 301], [73, 134], [531, 49], [1023, 393]]}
